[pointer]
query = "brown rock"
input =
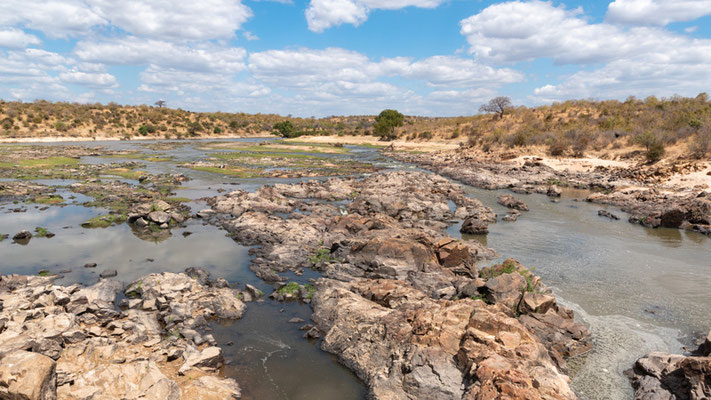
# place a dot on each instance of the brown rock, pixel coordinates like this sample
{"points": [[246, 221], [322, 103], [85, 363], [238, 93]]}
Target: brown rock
{"points": [[27, 376]]}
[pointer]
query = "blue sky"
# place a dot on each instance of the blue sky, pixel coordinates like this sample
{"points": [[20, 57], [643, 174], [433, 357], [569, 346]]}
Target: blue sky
{"points": [[334, 57]]}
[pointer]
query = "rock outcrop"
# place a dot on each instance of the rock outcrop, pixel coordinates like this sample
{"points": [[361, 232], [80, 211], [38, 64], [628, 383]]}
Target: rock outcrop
{"points": [[73, 342], [401, 303], [666, 376]]}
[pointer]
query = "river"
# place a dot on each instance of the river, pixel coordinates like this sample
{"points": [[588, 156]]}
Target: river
{"points": [[638, 289]]}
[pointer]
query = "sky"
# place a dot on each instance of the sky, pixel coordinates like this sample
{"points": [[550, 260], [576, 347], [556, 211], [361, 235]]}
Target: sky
{"points": [[351, 57]]}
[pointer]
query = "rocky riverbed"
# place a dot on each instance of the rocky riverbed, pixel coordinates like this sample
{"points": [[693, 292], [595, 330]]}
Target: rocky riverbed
{"points": [[393, 268], [639, 191], [74, 342], [401, 303]]}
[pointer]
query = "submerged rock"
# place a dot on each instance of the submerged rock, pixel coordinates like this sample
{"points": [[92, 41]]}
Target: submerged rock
{"points": [[509, 201]]}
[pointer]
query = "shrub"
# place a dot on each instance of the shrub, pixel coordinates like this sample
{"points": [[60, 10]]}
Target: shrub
{"points": [[61, 126], [700, 146], [557, 147], [655, 152]]}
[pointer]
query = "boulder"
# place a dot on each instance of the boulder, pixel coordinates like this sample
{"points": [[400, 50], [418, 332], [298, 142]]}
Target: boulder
{"points": [[22, 237], [553, 191], [108, 273], [452, 253], [27, 376], [505, 289], [509, 201], [511, 216], [208, 359], [607, 214], [159, 217], [473, 225]]}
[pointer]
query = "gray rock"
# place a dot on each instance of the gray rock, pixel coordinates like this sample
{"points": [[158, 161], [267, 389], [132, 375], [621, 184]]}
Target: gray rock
{"points": [[159, 217], [108, 273]]}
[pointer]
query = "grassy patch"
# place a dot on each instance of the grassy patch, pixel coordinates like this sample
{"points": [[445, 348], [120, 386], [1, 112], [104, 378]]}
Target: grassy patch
{"points": [[232, 171], [104, 221], [44, 273], [291, 288], [48, 162], [371, 145], [178, 199], [48, 199], [322, 255], [41, 232], [237, 155], [124, 173], [140, 156]]}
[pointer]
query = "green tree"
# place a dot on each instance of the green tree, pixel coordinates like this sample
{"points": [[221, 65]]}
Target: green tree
{"points": [[653, 144], [285, 128], [386, 122]]}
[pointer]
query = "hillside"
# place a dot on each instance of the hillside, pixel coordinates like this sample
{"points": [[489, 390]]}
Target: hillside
{"points": [[572, 128]]}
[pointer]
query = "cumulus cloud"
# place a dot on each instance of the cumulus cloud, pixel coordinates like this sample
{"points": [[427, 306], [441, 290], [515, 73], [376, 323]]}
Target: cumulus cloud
{"points": [[518, 31], [157, 19], [656, 12], [635, 60], [56, 18], [169, 19], [457, 71], [324, 14], [90, 79], [136, 51], [16, 38]]}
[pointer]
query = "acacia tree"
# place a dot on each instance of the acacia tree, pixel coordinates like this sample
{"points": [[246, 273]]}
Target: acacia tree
{"points": [[386, 122], [497, 105], [160, 103]]}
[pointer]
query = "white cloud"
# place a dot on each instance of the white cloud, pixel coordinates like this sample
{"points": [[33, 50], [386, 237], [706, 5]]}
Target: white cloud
{"points": [[47, 59], [250, 36], [16, 38], [517, 31], [136, 51], [656, 12], [90, 79], [626, 61], [324, 14], [457, 71], [156, 19], [56, 18], [169, 19]]}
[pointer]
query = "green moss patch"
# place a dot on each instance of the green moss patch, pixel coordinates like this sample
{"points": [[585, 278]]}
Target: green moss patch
{"points": [[104, 221]]}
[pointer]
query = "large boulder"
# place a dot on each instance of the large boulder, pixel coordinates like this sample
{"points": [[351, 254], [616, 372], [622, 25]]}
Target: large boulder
{"points": [[474, 225], [27, 376], [505, 289]]}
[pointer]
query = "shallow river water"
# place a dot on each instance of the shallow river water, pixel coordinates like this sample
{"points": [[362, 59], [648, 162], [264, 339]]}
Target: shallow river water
{"points": [[638, 289]]}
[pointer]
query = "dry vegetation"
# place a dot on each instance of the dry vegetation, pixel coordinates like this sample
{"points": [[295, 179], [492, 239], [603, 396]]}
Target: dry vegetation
{"points": [[570, 128], [73, 120]]}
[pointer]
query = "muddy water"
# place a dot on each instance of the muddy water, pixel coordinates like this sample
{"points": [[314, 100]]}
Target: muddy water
{"points": [[638, 289]]}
